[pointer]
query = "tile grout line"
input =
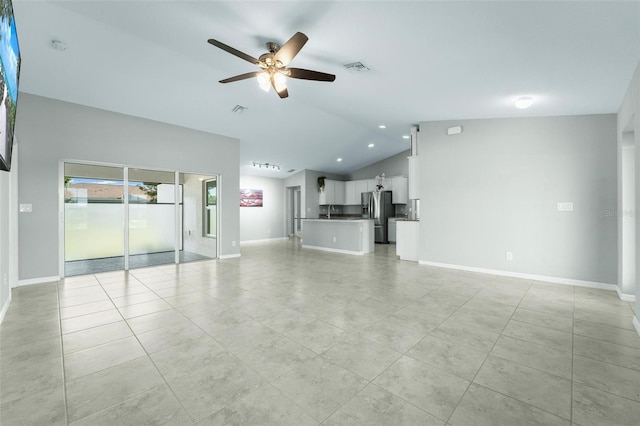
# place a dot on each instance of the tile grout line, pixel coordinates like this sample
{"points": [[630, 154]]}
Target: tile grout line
{"points": [[64, 379], [493, 390], [573, 338], [193, 421], [486, 357]]}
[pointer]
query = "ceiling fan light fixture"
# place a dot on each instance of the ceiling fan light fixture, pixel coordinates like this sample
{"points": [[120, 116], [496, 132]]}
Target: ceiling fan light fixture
{"points": [[279, 81], [263, 81]]}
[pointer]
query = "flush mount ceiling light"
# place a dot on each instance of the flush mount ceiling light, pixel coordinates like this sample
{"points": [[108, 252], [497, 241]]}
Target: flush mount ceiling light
{"points": [[524, 102], [339, 160], [59, 45], [371, 145], [382, 126], [267, 166], [405, 136]]}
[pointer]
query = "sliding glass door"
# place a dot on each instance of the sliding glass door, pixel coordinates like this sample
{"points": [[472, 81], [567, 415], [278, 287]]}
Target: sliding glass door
{"points": [[119, 218], [152, 217], [94, 216]]}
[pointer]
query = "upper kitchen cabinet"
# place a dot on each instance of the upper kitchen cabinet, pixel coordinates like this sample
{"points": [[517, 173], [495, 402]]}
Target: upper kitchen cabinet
{"points": [[333, 193], [400, 190], [351, 196], [361, 186]]}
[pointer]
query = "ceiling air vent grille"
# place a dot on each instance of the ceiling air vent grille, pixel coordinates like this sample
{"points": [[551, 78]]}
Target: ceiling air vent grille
{"points": [[356, 67]]}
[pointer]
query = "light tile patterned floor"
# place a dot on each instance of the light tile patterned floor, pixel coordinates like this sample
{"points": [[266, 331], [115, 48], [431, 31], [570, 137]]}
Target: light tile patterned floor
{"points": [[285, 336]]}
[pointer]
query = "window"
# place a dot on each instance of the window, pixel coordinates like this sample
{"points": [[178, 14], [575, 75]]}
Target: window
{"points": [[210, 208]]}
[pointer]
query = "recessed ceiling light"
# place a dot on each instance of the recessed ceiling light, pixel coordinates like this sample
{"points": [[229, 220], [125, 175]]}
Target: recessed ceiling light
{"points": [[382, 126], [59, 45], [339, 160], [524, 102], [371, 145], [405, 136]]}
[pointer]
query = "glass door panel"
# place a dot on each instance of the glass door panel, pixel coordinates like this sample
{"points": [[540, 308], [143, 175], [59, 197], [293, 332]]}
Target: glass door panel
{"points": [[152, 217], [93, 219]]}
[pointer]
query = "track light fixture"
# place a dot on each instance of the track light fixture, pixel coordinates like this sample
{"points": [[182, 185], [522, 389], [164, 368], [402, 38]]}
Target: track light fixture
{"points": [[268, 166]]}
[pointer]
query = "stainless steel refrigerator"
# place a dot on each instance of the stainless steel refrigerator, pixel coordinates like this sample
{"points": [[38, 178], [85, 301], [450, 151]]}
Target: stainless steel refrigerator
{"points": [[378, 206]]}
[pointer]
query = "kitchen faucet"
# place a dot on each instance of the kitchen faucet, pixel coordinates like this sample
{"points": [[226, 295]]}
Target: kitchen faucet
{"points": [[329, 211]]}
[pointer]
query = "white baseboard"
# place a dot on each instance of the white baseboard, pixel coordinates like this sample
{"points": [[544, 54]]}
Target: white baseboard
{"points": [[229, 256], [356, 253], [555, 280], [263, 240], [625, 297], [41, 280], [636, 324], [5, 308]]}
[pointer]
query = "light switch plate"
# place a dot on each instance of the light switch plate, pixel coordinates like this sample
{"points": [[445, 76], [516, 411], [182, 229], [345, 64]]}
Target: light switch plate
{"points": [[565, 206], [26, 208]]}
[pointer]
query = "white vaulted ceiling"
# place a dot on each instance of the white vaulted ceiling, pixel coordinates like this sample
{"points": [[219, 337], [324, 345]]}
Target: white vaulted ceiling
{"points": [[429, 61]]}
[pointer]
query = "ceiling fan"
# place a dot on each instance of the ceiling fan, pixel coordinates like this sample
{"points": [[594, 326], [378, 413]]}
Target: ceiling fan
{"points": [[273, 65]]}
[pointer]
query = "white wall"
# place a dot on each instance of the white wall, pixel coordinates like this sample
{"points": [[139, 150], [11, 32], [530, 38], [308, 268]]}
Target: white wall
{"points": [[8, 233], [396, 165], [629, 121], [53, 131], [268, 221], [495, 188]]}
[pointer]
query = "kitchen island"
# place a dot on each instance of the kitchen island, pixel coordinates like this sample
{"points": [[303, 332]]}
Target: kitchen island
{"points": [[348, 236]]}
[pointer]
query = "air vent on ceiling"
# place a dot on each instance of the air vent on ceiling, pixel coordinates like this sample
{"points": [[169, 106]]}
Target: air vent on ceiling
{"points": [[239, 109], [291, 170], [356, 67]]}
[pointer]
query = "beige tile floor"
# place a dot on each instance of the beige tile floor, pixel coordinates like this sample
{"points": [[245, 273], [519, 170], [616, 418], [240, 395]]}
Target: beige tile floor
{"points": [[285, 336]]}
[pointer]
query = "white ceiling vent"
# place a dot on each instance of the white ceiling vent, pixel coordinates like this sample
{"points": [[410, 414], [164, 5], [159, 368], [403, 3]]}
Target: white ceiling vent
{"points": [[239, 109], [356, 67]]}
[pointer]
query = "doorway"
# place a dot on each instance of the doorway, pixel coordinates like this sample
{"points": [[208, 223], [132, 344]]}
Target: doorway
{"points": [[294, 211], [627, 215]]}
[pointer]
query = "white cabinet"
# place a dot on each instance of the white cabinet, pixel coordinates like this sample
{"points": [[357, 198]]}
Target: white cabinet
{"points": [[407, 233], [414, 178], [333, 193], [351, 197], [361, 186], [399, 189], [391, 229], [338, 193], [371, 185]]}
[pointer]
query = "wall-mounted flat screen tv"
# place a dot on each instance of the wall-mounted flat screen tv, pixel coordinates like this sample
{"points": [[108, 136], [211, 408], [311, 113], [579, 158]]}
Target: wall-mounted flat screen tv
{"points": [[10, 65]]}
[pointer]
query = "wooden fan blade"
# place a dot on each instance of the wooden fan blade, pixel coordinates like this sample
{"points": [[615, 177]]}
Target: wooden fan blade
{"points": [[310, 75], [233, 51], [283, 93], [290, 49], [241, 77]]}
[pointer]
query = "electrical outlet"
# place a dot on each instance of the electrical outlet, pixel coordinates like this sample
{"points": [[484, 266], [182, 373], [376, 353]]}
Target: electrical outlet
{"points": [[233, 243], [334, 239], [508, 255]]}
